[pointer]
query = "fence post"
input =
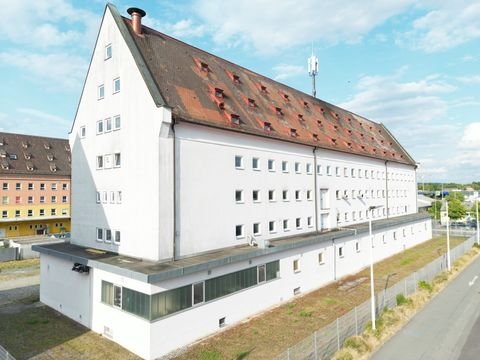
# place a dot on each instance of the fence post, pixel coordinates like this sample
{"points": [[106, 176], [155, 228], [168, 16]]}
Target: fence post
{"points": [[315, 345], [405, 282], [415, 281], [288, 354], [338, 335], [356, 322]]}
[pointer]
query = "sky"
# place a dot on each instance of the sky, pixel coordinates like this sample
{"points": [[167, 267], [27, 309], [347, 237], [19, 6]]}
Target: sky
{"points": [[413, 65]]}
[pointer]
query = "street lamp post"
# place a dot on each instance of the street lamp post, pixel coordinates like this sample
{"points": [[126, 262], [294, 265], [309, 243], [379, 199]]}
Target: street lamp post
{"points": [[448, 238], [478, 230], [372, 284]]}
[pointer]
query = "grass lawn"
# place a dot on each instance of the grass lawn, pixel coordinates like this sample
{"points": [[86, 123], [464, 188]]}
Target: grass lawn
{"points": [[271, 333], [19, 264], [42, 333]]}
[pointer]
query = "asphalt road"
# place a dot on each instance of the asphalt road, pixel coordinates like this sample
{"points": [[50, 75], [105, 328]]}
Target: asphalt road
{"points": [[447, 328]]}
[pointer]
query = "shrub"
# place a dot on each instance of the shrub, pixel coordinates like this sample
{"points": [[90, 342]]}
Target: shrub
{"points": [[305, 313], [357, 343], [343, 355], [403, 300], [423, 285], [210, 355]]}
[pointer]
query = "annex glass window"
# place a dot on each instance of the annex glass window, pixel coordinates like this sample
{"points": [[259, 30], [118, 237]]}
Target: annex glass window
{"points": [[117, 160], [262, 275], [99, 234], [198, 293], [134, 302], [256, 229], [171, 301], [108, 51], [116, 239], [101, 92], [239, 162], [116, 85], [117, 296], [255, 164], [117, 122], [230, 283]]}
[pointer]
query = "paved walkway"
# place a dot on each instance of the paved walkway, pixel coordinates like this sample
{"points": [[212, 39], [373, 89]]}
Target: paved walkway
{"points": [[447, 328]]}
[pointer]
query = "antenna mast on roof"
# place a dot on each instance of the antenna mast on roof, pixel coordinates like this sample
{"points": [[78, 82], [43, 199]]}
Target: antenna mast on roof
{"points": [[313, 71]]}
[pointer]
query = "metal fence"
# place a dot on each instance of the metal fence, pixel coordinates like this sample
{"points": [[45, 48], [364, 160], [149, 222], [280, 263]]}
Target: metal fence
{"points": [[323, 343], [4, 354]]}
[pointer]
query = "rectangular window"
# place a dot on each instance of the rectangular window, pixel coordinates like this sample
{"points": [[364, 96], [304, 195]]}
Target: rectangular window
{"points": [[285, 195], [99, 127], [119, 197], [117, 160], [53, 212], [5, 186], [256, 229], [18, 199], [100, 162], [116, 85], [83, 131], [239, 231], [104, 197], [319, 169], [285, 225], [255, 164], [18, 186], [271, 226], [329, 170], [357, 246], [4, 214], [309, 221], [98, 198], [271, 165], [42, 199], [309, 195], [340, 251], [42, 212], [271, 195], [337, 171], [99, 234], [261, 273], [17, 213], [238, 162], [345, 172], [353, 172], [112, 197], [42, 186], [108, 235], [171, 301], [297, 167], [108, 125], [239, 196], [64, 199], [256, 195], [5, 200], [309, 168], [296, 265], [285, 166], [298, 223], [320, 259], [198, 293], [108, 51], [297, 195], [54, 199], [64, 211], [53, 186], [101, 92], [30, 186], [117, 122], [116, 239], [117, 296], [107, 293]]}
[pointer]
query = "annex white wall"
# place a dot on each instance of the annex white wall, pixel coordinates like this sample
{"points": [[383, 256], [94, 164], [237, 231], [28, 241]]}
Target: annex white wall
{"points": [[146, 156], [64, 290]]}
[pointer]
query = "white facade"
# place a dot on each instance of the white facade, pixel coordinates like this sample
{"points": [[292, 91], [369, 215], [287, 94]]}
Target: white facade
{"points": [[149, 188], [156, 338]]}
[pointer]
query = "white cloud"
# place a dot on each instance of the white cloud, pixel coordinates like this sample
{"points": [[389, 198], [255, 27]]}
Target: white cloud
{"points": [[39, 23], [34, 122], [471, 137], [185, 28], [58, 69], [43, 116], [269, 26], [450, 24], [472, 79], [285, 71]]}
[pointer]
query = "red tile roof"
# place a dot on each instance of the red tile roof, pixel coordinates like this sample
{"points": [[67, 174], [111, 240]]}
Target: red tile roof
{"points": [[202, 88], [34, 155]]}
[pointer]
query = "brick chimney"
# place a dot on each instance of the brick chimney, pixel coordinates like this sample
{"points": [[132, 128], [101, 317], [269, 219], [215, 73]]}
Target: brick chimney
{"points": [[136, 15]]}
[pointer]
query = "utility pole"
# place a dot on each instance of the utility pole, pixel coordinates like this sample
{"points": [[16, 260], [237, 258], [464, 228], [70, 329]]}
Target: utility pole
{"points": [[478, 230], [448, 239]]}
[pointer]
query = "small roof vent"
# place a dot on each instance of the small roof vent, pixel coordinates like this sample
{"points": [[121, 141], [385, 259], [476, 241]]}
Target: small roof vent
{"points": [[315, 137], [46, 145], [5, 166], [293, 132], [251, 102], [319, 123], [300, 117], [305, 104], [50, 157], [278, 110], [27, 156], [263, 89], [334, 141], [24, 144], [30, 166], [267, 126], [286, 97], [53, 167], [235, 119], [218, 92]]}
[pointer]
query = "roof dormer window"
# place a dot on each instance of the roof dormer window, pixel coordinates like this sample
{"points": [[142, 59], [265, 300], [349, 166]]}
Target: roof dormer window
{"points": [[251, 102], [293, 132], [218, 92], [46, 146], [30, 167], [300, 117], [53, 167], [24, 144], [315, 137], [5, 166], [278, 110], [27, 156], [267, 126], [49, 157], [235, 119]]}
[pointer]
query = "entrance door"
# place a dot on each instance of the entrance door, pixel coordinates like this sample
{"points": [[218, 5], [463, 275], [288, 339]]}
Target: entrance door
{"points": [[323, 221]]}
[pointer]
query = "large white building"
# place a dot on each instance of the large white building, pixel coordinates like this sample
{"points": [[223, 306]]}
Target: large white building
{"points": [[203, 193]]}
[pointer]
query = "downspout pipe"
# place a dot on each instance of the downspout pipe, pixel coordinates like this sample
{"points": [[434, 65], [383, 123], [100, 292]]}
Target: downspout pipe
{"points": [[315, 187], [386, 188], [174, 243]]}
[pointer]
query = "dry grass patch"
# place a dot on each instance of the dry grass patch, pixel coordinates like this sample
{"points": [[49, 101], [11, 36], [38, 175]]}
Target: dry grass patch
{"points": [[20, 264]]}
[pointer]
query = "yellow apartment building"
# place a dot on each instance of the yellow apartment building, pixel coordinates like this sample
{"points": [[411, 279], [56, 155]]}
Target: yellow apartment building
{"points": [[34, 185]]}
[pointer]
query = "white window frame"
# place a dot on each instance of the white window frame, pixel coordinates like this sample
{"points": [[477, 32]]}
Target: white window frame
{"points": [[321, 260], [107, 124], [255, 164], [101, 92], [99, 127], [285, 166], [115, 241], [296, 265], [115, 82], [98, 197], [117, 160], [258, 196], [309, 195], [83, 132], [240, 158], [274, 230], [271, 165], [115, 127], [285, 198], [298, 223], [108, 51], [259, 232], [287, 223], [298, 168], [99, 162], [273, 195], [242, 231], [241, 201], [310, 221], [119, 197], [97, 232], [108, 231], [308, 168]]}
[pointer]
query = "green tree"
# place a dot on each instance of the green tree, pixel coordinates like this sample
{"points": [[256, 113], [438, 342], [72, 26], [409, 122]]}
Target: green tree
{"points": [[457, 195], [434, 210], [473, 210], [456, 210]]}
